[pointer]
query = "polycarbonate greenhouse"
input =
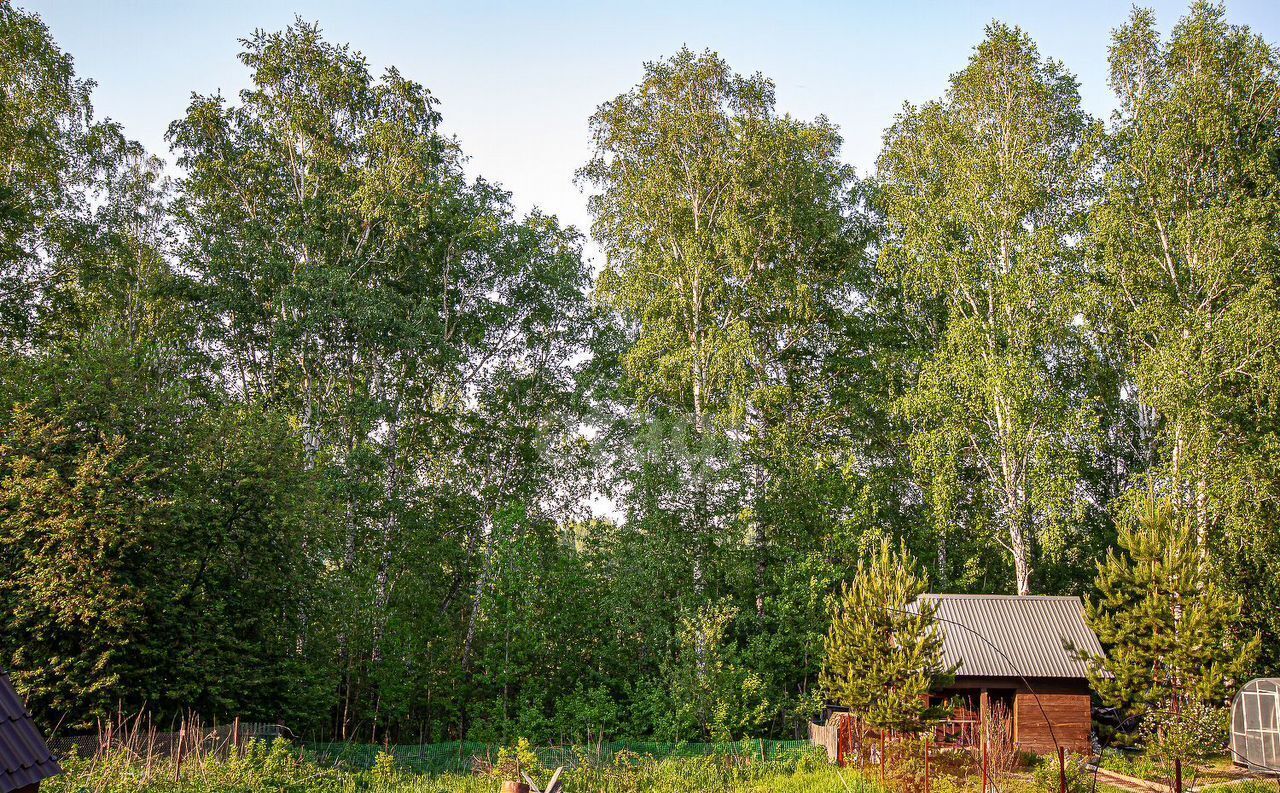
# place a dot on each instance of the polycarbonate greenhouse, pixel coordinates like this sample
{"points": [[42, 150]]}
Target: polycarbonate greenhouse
{"points": [[1255, 726]]}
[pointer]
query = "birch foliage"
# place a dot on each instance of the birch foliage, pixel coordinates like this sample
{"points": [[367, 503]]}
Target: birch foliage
{"points": [[984, 194]]}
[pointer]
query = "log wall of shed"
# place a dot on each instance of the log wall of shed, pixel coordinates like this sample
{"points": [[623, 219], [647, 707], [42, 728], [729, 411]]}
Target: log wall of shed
{"points": [[1071, 716]]}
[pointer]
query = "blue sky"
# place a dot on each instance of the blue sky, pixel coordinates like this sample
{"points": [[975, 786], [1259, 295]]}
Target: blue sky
{"points": [[517, 81]]}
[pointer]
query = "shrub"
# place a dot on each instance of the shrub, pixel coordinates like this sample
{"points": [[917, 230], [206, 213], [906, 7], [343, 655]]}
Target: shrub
{"points": [[384, 771], [1188, 733], [517, 758], [1079, 777]]}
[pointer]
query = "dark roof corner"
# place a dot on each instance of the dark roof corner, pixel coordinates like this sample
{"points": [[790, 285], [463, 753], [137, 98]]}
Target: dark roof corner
{"points": [[25, 759]]}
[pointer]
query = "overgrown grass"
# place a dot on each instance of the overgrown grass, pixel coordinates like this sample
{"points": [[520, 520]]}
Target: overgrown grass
{"points": [[281, 768], [1206, 772]]}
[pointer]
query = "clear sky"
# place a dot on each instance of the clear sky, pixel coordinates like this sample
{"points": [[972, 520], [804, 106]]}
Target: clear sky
{"points": [[518, 80]]}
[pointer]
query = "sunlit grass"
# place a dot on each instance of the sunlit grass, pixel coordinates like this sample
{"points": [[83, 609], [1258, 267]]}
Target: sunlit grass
{"points": [[279, 768]]}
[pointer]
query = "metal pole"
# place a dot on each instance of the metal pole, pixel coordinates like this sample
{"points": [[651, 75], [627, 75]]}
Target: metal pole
{"points": [[1177, 761], [1062, 769]]}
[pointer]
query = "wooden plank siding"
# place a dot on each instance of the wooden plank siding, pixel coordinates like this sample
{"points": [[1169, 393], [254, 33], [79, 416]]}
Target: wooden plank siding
{"points": [[1071, 715]]}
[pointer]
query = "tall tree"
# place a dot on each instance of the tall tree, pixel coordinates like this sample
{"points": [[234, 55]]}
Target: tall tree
{"points": [[984, 195], [1188, 239], [149, 544], [731, 246], [55, 161], [421, 335]]}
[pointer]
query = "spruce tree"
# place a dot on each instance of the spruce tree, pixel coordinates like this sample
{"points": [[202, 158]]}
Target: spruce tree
{"points": [[883, 649], [1167, 628]]}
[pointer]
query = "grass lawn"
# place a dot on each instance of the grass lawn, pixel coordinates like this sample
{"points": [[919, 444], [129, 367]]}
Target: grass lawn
{"points": [[1217, 769], [278, 768], [283, 768]]}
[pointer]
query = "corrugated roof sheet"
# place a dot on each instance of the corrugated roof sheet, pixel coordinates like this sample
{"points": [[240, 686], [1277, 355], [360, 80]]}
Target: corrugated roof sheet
{"points": [[24, 757], [1011, 635]]}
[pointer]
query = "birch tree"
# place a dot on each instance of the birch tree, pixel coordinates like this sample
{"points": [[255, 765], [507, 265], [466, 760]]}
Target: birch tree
{"points": [[984, 193], [731, 244], [1187, 240]]}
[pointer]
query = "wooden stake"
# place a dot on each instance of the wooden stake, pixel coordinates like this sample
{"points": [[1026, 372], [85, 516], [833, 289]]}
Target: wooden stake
{"points": [[926, 764], [177, 761], [882, 757]]}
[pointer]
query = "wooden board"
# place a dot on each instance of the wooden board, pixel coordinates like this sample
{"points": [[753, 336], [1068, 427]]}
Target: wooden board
{"points": [[1071, 716]]}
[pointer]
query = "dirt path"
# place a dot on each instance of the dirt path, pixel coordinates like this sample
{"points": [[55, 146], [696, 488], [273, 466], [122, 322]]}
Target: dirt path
{"points": [[1126, 783], [1134, 785]]}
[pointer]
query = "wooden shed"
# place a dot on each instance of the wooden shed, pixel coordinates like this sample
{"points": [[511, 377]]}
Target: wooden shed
{"points": [[1015, 655], [25, 760]]}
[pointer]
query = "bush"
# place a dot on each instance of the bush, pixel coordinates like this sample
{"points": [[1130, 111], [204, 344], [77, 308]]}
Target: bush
{"points": [[1079, 777], [1189, 733], [1129, 763], [813, 758], [516, 759]]}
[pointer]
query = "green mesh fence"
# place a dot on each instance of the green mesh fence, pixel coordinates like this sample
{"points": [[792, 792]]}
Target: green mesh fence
{"points": [[460, 756]]}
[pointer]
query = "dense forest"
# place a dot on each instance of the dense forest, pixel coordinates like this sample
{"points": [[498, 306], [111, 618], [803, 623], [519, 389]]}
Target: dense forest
{"points": [[304, 425]]}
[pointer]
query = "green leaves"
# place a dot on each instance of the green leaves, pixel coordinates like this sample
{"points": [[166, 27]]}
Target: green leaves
{"points": [[326, 402], [1186, 244], [60, 175], [883, 651], [151, 540], [728, 230], [984, 195]]}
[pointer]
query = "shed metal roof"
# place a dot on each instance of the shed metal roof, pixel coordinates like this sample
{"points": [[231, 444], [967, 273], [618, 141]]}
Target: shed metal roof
{"points": [[24, 757], [1012, 636]]}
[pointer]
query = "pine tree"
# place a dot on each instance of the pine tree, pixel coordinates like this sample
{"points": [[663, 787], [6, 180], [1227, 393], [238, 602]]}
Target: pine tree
{"points": [[883, 650], [1167, 627]]}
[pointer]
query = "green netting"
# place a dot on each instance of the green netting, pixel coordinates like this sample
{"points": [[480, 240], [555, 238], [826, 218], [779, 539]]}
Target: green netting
{"points": [[460, 756]]}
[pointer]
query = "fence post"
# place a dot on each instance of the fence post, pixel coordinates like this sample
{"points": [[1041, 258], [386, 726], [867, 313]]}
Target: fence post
{"points": [[881, 757], [1062, 769], [984, 763], [177, 760], [839, 731], [926, 764]]}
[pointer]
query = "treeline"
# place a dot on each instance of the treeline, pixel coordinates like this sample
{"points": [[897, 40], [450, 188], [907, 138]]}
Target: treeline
{"points": [[308, 430]]}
